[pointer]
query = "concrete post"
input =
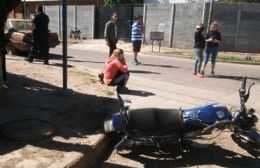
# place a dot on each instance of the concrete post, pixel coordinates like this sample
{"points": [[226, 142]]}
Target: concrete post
{"points": [[93, 21], [210, 15], [172, 25], [76, 16], [237, 27], [144, 18]]}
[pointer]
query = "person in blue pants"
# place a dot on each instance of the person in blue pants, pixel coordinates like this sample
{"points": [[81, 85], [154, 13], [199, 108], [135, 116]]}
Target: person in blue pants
{"points": [[213, 39]]}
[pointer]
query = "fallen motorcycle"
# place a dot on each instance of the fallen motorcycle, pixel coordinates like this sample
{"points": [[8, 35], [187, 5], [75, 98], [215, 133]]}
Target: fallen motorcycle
{"points": [[156, 127]]}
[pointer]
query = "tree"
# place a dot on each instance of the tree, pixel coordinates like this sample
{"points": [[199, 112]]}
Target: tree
{"points": [[6, 6], [245, 1], [121, 2]]}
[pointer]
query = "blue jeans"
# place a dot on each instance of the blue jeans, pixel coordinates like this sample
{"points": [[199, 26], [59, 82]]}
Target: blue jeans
{"points": [[213, 51], [199, 59]]}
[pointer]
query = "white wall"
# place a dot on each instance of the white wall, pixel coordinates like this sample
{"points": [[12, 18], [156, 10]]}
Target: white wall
{"points": [[174, 1], [166, 1]]}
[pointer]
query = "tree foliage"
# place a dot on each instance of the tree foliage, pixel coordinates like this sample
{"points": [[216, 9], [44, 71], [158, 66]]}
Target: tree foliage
{"points": [[245, 1], [122, 2]]}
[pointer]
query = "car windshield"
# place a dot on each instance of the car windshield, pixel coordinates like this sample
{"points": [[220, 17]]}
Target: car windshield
{"points": [[21, 25]]}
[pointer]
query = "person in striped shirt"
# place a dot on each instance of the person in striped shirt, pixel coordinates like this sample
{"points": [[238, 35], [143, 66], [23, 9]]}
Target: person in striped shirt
{"points": [[137, 37]]}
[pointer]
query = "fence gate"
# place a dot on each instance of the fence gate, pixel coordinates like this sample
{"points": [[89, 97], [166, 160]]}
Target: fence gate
{"points": [[125, 20]]}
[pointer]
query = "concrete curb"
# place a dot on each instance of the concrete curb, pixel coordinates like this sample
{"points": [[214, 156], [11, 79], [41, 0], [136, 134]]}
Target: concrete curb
{"points": [[190, 57], [85, 160]]}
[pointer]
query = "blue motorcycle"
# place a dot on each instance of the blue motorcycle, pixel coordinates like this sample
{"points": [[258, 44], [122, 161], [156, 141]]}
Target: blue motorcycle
{"points": [[157, 127]]}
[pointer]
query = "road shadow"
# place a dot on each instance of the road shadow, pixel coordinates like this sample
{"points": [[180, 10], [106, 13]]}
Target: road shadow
{"points": [[238, 78], [94, 62], [138, 93], [169, 157], [162, 66], [61, 65], [57, 56], [143, 72], [72, 114]]}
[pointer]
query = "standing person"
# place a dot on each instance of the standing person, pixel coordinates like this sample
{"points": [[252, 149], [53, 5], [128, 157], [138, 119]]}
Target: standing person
{"points": [[116, 71], [213, 39], [40, 40], [137, 37], [199, 46], [111, 33]]}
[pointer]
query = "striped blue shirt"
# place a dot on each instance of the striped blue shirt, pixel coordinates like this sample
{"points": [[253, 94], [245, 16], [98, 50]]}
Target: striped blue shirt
{"points": [[137, 32]]}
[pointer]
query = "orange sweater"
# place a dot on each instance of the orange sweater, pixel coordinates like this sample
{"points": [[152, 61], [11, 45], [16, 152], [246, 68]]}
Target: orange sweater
{"points": [[111, 69]]}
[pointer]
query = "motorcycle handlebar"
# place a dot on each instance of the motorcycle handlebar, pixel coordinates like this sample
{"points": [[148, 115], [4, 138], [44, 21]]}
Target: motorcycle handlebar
{"points": [[243, 86]]}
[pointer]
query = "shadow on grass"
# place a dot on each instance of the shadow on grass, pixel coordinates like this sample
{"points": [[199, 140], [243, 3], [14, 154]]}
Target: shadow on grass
{"points": [[73, 114], [169, 157]]}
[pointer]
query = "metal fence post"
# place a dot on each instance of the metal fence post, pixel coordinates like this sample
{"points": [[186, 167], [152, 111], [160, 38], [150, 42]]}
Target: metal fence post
{"points": [[64, 40]]}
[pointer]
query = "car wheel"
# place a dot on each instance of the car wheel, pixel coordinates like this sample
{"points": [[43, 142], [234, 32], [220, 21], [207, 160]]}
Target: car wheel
{"points": [[11, 49]]}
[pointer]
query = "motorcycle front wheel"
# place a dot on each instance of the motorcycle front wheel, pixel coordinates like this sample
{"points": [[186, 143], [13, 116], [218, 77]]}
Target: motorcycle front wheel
{"points": [[249, 136]]}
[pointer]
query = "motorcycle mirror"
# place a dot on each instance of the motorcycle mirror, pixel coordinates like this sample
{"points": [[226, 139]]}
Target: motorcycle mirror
{"points": [[248, 92]]}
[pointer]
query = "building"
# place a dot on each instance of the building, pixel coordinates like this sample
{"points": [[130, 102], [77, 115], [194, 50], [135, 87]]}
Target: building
{"points": [[27, 7]]}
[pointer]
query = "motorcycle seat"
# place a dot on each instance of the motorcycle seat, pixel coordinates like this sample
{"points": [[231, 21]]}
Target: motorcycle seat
{"points": [[155, 120]]}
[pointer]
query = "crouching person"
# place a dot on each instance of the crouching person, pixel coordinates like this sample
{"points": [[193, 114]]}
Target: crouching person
{"points": [[116, 71]]}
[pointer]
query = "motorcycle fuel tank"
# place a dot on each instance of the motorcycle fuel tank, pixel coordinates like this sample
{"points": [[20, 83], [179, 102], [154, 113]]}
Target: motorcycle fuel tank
{"points": [[205, 115]]}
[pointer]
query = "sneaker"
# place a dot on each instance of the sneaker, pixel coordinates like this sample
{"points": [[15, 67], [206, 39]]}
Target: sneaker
{"points": [[212, 73], [136, 62], [200, 75], [194, 73]]}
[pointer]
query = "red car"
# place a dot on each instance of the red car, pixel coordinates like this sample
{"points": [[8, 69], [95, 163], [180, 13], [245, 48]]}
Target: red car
{"points": [[19, 36]]}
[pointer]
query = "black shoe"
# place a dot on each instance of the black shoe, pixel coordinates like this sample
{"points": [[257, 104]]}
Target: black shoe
{"points": [[46, 62], [123, 90]]}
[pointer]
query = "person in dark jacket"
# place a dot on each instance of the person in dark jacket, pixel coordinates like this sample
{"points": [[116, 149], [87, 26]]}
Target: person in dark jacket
{"points": [[40, 40], [199, 46], [111, 33], [213, 39]]}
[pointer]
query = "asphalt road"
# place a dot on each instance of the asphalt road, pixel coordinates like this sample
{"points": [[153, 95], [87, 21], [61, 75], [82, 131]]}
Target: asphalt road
{"points": [[171, 70], [223, 152]]}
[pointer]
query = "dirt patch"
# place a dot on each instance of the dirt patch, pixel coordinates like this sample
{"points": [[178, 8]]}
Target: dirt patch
{"points": [[34, 93]]}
